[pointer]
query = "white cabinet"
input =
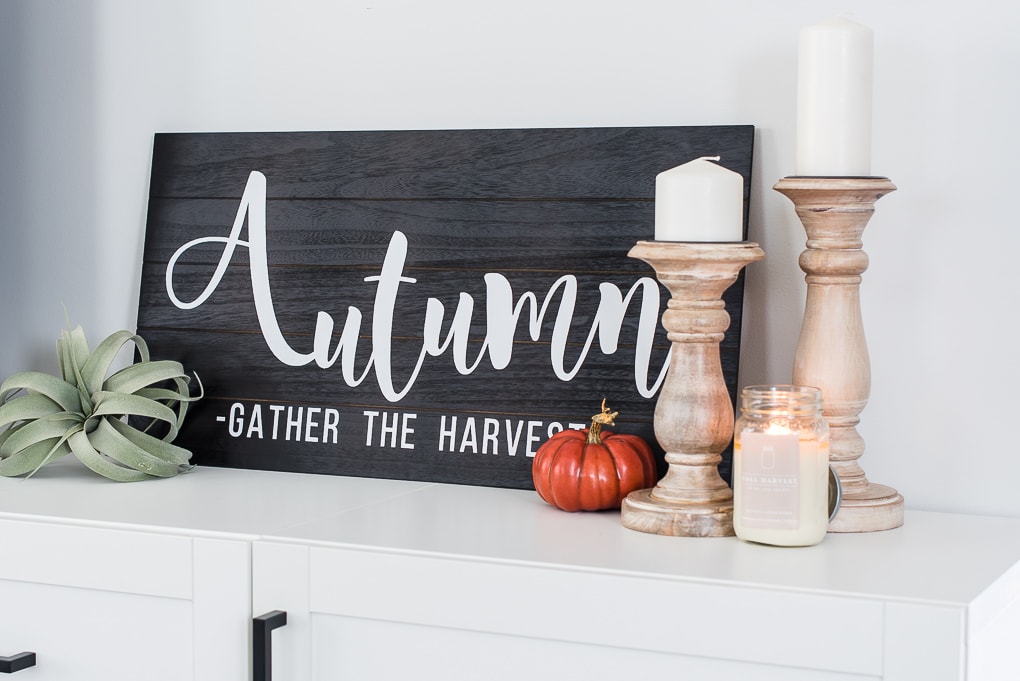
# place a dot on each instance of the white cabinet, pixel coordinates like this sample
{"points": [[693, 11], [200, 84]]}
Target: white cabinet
{"points": [[354, 614], [467, 583], [98, 604], [112, 581], [386, 579]]}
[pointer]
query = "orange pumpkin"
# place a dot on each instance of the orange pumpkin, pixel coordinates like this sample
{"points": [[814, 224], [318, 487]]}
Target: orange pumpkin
{"points": [[592, 469]]}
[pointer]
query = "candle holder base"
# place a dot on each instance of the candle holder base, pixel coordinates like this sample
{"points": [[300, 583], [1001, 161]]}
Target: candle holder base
{"points": [[877, 508], [694, 412], [832, 353], [643, 512]]}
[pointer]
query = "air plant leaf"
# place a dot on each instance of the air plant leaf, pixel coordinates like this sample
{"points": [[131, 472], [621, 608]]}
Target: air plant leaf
{"points": [[64, 394], [91, 457], [98, 364], [72, 351], [128, 454], [133, 378], [154, 446], [27, 408], [33, 457], [45, 428], [88, 413], [120, 404]]}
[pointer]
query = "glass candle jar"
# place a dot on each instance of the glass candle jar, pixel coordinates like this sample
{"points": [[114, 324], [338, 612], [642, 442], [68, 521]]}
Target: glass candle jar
{"points": [[781, 466]]}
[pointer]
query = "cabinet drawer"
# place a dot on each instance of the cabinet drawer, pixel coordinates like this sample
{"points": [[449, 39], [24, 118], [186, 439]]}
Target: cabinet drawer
{"points": [[105, 604], [96, 558], [353, 648], [667, 616], [90, 635]]}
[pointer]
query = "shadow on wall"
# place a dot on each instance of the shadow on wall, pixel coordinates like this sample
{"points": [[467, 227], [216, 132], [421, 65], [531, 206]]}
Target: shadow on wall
{"points": [[48, 155]]}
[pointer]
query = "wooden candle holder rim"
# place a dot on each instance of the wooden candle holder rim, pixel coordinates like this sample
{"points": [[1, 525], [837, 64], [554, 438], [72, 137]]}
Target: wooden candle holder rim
{"points": [[698, 243], [835, 184], [727, 251], [836, 177]]}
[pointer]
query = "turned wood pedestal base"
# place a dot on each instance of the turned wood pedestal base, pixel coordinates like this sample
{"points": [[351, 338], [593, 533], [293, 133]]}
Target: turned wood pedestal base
{"points": [[878, 507], [694, 412], [832, 353], [644, 512]]}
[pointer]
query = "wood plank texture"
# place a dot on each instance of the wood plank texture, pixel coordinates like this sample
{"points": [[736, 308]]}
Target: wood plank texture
{"points": [[459, 269]]}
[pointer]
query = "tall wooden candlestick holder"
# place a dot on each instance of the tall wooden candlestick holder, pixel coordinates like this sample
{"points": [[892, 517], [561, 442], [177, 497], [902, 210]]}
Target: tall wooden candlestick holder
{"points": [[832, 353], [694, 411]]}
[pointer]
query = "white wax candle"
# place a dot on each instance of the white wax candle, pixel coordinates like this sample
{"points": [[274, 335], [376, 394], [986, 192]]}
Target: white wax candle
{"points": [[834, 99], [780, 489], [699, 201]]}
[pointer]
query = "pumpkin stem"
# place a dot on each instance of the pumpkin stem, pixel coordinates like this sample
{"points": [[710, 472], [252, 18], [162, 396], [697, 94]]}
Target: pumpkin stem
{"points": [[607, 418]]}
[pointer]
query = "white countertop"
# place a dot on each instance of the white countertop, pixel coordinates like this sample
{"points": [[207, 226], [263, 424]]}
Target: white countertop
{"points": [[204, 501], [936, 558]]}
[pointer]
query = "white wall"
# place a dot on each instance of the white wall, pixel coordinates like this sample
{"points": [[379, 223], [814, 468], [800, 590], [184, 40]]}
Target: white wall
{"points": [[84, 85]]}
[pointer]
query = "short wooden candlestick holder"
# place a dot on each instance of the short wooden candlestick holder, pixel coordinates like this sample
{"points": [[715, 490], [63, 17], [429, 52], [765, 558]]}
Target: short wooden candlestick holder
{"points": [[832, 353], [694, 411]]}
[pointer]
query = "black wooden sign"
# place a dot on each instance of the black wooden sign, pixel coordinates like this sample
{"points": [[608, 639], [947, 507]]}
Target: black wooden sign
{"points": [[424, 305]]}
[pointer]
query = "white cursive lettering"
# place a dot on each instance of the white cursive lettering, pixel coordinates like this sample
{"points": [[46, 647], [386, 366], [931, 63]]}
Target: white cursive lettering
{"points": [[503, 316]]}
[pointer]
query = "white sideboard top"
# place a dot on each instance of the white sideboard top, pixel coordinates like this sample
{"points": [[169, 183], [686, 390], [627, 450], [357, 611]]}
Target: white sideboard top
{"points": [[935, 558], [204, 501]]}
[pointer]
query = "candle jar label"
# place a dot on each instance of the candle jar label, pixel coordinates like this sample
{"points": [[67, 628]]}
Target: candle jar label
{"points": [[770, 480]]}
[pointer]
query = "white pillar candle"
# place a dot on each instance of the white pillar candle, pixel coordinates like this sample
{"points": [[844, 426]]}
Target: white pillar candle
{"points": [[699, 201], [834, 99]]}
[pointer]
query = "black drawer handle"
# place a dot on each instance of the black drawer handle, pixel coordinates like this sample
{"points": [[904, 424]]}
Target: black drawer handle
{"points": [[15, 663], [262, 643]]}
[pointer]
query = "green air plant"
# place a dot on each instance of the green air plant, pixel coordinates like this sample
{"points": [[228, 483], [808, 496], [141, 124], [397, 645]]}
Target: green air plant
{"points": [[91, 415]]}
